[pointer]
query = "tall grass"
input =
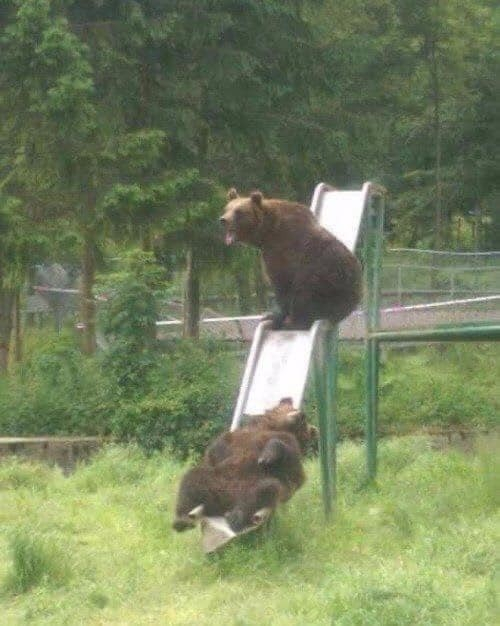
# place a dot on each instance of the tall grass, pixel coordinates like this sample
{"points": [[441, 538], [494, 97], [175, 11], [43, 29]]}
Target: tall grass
{"points": [[419, 547], [35, 561]]}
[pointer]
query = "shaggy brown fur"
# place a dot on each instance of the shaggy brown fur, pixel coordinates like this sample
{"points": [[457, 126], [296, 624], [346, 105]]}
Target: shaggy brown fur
{"points": [[282, 418], [313, 274], [257, 466]]}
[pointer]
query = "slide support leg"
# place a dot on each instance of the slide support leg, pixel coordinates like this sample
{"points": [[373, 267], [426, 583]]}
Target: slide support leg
{"points": [[372, 371], [325, 378]]}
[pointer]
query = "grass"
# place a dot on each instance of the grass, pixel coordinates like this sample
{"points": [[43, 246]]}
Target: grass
{"points": [[435, 387], [97, 547]]}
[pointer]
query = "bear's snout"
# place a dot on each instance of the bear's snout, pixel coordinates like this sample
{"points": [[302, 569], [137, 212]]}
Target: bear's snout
{"points": [[230, 236]]}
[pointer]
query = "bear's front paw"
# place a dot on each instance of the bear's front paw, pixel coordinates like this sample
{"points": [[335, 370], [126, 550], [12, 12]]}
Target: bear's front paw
{"points": [[277, 320]]}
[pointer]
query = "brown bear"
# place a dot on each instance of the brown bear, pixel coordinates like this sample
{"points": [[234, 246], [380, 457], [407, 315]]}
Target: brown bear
{"points": [[313, 274], [255, 467], [282, 418]]}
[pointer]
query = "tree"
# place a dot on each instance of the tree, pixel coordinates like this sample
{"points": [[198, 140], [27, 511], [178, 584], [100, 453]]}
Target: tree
{"points": [[211, 76], [68, 145], [129, 322], [448, 50], [190, 230], [52, 128], [10, 246]]}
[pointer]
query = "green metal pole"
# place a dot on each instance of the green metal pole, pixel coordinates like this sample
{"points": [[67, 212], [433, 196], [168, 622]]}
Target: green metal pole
{"points": [[332, 345], [372, 256], [469, 332], [372, 367], [319, 384], [320, 380]]}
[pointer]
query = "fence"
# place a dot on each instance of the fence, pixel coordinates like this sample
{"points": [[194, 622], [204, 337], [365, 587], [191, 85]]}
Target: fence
{"points": [[411, 276]]}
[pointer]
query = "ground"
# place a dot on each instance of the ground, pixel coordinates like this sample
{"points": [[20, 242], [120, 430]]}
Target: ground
{"points": [[97, 548]]}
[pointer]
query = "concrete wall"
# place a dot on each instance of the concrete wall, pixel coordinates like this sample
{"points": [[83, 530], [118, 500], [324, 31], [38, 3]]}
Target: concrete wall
{"points": [[65, 452]]}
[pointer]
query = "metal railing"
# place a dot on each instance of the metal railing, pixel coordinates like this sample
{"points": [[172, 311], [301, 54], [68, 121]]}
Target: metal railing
{"points": [[474, 330]]}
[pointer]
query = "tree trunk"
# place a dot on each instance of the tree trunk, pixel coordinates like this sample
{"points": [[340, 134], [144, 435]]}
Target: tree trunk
{"points": [[433, 60], [436, 104], [30, 317], [6, 307], [18, 330], [146, 239], [438, 210], [87, 302], [191, 297]]}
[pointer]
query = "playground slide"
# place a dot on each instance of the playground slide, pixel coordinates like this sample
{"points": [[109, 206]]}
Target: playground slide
{"points": [[279, 360]]}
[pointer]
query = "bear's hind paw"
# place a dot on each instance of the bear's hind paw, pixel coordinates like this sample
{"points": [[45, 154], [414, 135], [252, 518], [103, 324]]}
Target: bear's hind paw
{"points": [[183, 523]]}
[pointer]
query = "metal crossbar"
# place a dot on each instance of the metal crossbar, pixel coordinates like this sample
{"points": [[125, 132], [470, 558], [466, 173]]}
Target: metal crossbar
{"points": [[446, 252], [487, 332]]}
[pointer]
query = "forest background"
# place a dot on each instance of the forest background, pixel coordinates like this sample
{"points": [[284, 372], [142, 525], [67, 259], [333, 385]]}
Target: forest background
{"points": [[124, 122]]}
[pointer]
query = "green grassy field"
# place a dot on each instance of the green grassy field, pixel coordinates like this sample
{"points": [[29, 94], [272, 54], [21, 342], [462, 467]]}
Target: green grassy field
{"points": [[97, 547]]}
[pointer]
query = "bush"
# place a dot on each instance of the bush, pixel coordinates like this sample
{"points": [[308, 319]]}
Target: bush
{"points": [[193, 399], [129, 323], [436, 386], [440, 386], [186, 395], [185, 419], [55, 391]]}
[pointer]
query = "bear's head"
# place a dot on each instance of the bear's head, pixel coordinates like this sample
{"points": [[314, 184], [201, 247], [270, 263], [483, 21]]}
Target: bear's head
{"points": [[284, 417], [243, 218]]}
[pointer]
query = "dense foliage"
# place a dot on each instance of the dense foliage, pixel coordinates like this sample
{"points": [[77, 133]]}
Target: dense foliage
{"points": [[182, 398], [122, 122]]}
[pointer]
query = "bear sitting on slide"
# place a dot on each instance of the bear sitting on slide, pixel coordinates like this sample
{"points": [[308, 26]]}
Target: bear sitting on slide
{"points": [[313, 274], [255, 467]]}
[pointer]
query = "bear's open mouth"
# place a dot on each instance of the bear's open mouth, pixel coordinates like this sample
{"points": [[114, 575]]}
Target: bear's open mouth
{"points": [[230, 238]]}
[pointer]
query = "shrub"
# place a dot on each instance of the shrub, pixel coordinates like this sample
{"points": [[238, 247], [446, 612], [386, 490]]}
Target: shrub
{"points": [[420, 386], [184, 398], [193, 398], [129, 323], [440, 386], [55, 391]]}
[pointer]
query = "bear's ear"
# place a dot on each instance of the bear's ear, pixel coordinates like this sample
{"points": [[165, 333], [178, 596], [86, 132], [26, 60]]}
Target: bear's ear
{"points": [[232, 194], [257, 197], [286, 402]]}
